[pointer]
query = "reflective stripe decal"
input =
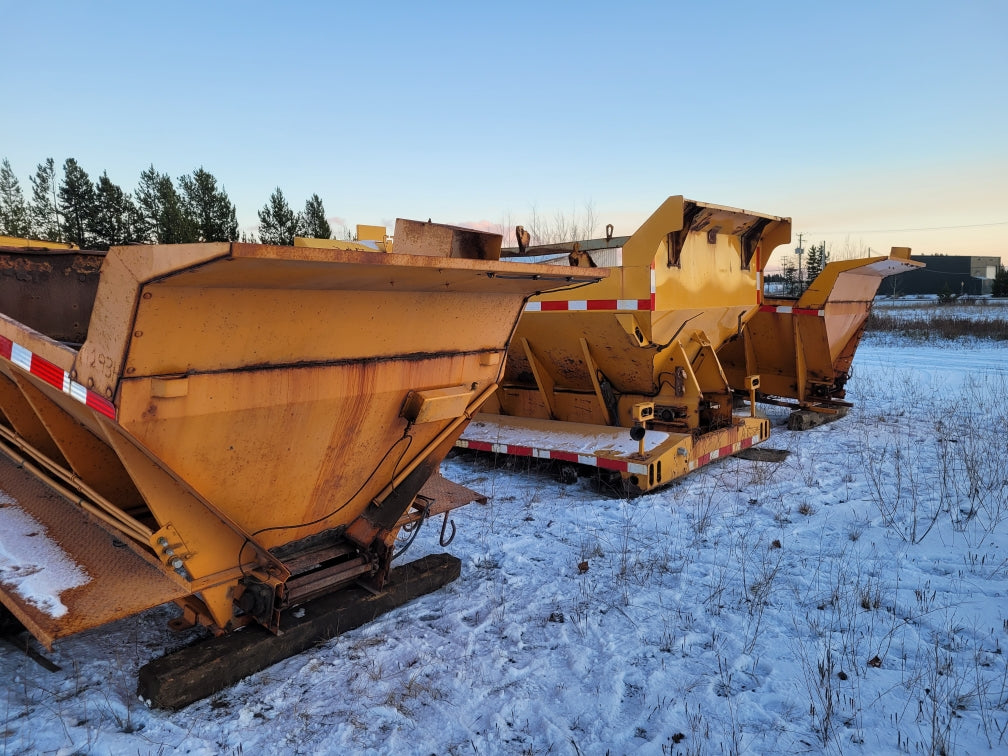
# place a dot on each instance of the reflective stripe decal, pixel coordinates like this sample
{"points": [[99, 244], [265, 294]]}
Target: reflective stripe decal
{"points": [[589, 460], [605, 463], [724, 451], [591, 304], [583, 305], [788, 310], [55, 376]]}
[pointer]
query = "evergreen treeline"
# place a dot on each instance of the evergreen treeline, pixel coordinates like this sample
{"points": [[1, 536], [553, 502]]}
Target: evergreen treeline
{"points": [[99, 214]]}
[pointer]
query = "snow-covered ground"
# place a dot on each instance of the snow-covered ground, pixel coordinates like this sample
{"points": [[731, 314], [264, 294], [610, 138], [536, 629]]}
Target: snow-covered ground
{"points": [[849, 599]]}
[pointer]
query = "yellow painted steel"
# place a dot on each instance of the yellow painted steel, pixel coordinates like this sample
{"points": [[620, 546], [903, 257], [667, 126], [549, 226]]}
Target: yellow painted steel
{"points": [[681, 285], [302, 241], [369, 238], [263, 396], [802, 348], [33, 244]]}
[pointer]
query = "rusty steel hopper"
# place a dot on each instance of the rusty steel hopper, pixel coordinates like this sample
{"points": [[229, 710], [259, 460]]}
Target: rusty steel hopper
{"points": [[802, 348], [50, 285], [245, 427], [636, 350]]}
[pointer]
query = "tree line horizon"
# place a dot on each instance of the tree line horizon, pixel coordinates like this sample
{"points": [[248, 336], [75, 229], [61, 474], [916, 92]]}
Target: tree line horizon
{"points": [[100, 214]]}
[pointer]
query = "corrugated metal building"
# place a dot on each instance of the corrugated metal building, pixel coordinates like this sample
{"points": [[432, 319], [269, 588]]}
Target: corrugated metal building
{"points": [[946, 274]]}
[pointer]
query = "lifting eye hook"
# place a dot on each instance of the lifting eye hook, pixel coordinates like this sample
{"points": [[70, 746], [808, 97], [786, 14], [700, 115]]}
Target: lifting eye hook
{"points": [[444, 525]]}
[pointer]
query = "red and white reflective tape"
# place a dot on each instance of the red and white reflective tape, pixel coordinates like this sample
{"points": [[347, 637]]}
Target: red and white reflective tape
{"points": [[788, 310], [55, 376], [530, 451], [586, 305], [724, 451], [590, 304], [601, 462]]}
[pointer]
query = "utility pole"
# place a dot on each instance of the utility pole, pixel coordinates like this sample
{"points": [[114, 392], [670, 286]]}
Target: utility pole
{"points": [[799, 251]]}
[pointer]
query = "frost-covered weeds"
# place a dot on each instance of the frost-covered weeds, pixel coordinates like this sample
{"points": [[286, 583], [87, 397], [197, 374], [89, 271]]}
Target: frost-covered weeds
{"points": [[939, 455], [942, 321], [841, 553]]}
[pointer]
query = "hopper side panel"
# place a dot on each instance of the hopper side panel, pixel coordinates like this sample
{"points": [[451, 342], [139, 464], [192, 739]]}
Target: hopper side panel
{"points": [[182, 330], [282, 447]]}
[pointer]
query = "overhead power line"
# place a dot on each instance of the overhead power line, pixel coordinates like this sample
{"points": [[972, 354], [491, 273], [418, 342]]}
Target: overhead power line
{"points": [[902, 230]]}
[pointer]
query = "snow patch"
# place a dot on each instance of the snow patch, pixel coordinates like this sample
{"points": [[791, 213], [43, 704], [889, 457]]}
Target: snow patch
{"points": [[31, 563]]}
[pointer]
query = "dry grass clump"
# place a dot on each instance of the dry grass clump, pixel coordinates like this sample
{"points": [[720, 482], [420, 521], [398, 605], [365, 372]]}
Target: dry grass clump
{"points": [[924, 325]]}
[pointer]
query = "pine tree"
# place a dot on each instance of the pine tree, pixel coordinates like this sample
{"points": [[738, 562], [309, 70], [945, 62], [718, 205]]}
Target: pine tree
{"points": [[232, 224], [208, 209], [999, 287], [165, 219], [13, 208], [77, 201], [278, 224], [114, 217], [816, 261], [790, 273], [313, 220], [136, 226], [148, 201], [43, 210]]}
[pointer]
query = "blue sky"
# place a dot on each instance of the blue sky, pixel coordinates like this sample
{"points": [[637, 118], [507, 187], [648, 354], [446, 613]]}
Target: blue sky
{"points": [[869, 123]]}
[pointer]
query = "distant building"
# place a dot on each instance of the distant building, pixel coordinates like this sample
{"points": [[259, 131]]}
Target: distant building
{"points": [[945, 274]]}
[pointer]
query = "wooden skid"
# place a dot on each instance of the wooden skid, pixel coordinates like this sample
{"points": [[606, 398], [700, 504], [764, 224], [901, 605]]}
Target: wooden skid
{"points": [[180, 678]]}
